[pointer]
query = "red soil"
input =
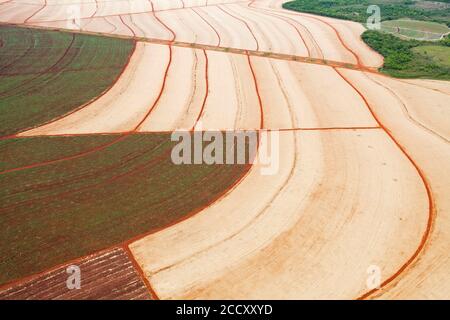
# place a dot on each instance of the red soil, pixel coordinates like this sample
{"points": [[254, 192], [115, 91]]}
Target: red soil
{"points": [[106, 275], [431, 208], [206, 93]]}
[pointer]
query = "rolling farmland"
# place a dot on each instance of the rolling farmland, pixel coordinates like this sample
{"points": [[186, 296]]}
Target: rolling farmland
{"points": [[415, 29], [129, 188], [46, 74], [362, 179], [122, 281]]}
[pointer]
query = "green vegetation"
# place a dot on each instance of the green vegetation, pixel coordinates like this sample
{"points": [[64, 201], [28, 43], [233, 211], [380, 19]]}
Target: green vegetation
{"points": [[356, 10], [46, 74], [121, 186], [410, 58], [58, 212], [403, 57], [413, 29], [438, 55], [446, 41]]}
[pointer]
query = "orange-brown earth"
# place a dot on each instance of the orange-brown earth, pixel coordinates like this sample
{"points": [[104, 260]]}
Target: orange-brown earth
{"points": [[363, 176]]}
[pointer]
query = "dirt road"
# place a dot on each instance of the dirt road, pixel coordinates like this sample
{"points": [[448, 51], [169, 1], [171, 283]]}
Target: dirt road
{"points": [[363, 179]]}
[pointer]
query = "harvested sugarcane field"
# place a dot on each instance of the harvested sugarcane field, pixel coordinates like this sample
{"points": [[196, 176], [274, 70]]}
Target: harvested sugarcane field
{"points": [[224, 150]]}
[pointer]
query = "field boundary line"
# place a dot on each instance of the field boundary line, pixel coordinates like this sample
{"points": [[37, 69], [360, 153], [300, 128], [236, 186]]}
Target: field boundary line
{"points": [[130, 55], [212, 27], [341, 40], [5, 2], [431, 206], [66, 158], [127, 26], [117, 14], [140, 273], [96, 9], [36, 12], [418, 85], [280, 14], [406, 111], [127, 242], [219, 197], [181, 130], [121, 137], [194, 212], [265, 54], [243, 21], [163, 86], [316, 17], [327, 128], [264, 13], [120, 245], [155, 160], [20, 281], [255, 81], [202, 109], [164, 25]]}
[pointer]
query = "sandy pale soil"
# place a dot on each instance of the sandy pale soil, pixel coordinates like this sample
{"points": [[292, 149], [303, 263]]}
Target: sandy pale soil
{"points": [[232, 102], [14, 12], [343, 200], [427, 108], [436, 85], [180, 104], [125, 105], [298, 95], [428, 277], [288, 92], [44, 10], [346, 44], [235, 24], [108, 275]]}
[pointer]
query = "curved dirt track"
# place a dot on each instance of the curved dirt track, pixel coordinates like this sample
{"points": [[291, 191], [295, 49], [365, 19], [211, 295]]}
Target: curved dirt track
{"points": [[238, 24], [427, 276], [297, 222], [363, 174], [225, 74]]}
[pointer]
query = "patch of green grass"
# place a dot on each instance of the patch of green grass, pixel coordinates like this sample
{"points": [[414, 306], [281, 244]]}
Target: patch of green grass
{"points": [[419, 30], [46, 74], [25, 151], [58, 212], [439, 55]]}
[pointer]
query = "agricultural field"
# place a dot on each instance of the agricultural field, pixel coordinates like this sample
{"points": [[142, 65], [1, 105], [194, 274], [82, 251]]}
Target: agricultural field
{"points": [[46, 74], [414, 25], [413, 29], [352, 166], [114, 266], [71, 207], [439, 55]]}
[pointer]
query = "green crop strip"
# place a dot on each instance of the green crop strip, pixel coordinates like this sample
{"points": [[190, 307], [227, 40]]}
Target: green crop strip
{"points": [[46, 74], [58, 212], [403, 58]]}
